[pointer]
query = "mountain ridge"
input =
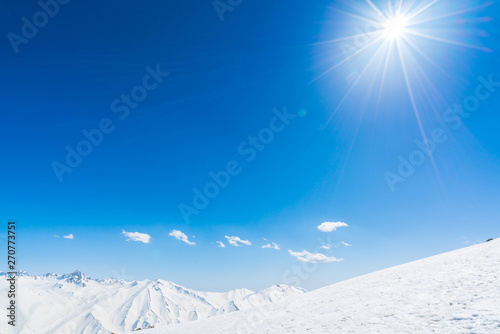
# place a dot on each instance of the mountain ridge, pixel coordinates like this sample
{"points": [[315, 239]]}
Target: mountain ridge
{"points": [[78, 303], [448, 293]]}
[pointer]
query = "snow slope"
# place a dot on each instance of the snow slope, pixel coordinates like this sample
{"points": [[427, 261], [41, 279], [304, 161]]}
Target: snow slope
{"points": [[455, 292], [75, 303]]}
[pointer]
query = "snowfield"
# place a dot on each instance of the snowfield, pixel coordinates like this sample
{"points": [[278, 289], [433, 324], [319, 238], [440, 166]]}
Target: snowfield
{"points": [[455, 292], [75, 303]]}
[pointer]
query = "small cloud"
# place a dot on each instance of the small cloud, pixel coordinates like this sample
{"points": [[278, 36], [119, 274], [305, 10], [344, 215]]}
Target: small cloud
{"points": [[221, 244], [69, 236], [326, 247], [274, 246], [236, 241], [56, 236], [181, 236], [329, 227], [136, 236], [345, 244], [305, 256]]}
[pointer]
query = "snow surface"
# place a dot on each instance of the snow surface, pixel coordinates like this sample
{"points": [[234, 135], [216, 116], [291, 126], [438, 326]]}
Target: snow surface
{"points": [[455, 292], [75, 303]]}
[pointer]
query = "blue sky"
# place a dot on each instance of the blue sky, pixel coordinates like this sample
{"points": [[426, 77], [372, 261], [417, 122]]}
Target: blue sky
{"points": [[228, 81]]}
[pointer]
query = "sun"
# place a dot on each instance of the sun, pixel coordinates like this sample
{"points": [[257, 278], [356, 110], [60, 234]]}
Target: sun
{"points": [[399, 35], [395, 35], [395, 26]]}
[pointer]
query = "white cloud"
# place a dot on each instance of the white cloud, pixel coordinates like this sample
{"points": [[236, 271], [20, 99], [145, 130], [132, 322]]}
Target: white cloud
{"points": [[326, 247], [136, 236], [274, 246], [345, 244], [221, 244], [235, 241], [305, 256], [55, 235], [329, 227], [181, 236], [69, 236]]}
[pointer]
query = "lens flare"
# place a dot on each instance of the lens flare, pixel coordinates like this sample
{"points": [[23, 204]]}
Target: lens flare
{"points": [[403, 45], [398, 34]]}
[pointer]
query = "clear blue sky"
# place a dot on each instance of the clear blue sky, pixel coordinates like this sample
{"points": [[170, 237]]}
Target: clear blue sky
{"points": [[327, 164]]}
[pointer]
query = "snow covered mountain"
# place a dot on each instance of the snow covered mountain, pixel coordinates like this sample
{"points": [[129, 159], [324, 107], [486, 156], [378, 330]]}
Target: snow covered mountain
{"points": [[75, 303], [455, 292]]}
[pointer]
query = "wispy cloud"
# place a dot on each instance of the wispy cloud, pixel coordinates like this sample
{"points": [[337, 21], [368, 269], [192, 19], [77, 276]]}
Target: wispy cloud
{"points": [[136, 236], [236, 241], [305, 256], [181, 236], [326, 247], [331, 226], [273, 245], [69, 236], [221, 244], [345, 244]]}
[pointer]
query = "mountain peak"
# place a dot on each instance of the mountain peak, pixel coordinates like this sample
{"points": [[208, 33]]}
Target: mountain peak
{"points": [[76, 277]]}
